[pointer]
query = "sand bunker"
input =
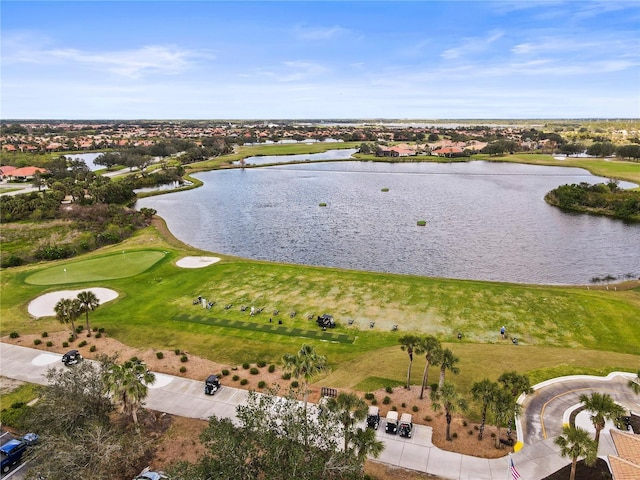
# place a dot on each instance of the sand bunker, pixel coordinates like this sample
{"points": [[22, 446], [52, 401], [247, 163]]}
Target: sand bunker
{"points": [[196, 262], [44, 305]]}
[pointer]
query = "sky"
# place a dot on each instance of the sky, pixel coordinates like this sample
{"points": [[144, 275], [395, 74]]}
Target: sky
{"points": [[320, 60]]}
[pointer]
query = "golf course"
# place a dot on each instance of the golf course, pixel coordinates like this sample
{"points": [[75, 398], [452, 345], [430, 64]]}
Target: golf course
{"points": [[560, 330]]}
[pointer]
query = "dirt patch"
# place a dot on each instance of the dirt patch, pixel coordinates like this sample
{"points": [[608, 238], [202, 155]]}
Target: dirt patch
{"points": [[8, 385], [197, 368]]}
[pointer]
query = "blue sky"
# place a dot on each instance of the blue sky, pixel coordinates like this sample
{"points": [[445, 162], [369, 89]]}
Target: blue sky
{"points": [[329, 59]]}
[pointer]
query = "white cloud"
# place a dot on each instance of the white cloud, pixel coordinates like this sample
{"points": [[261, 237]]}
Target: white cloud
{"points": [[319, 33], [473, 45]]}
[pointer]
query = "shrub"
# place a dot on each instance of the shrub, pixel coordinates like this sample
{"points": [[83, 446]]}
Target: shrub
{"points": [[159, 355], [261, 364], [79, 329], [470, 432], [82, 343], [476, 428], [101, 330], [427, 418], [404, 405], [71, 339], [374, 402], [184, 358], [65, 344], [434, 387], [45, 334], [183, 369], [244, 381], [235, 378], [37, 341], [245, 365], [454, 435], [295, 384], [98, 335], [262, 384], [177, 351], [493, 435], [49, 343], [386, 400], [286, 376], [369, 396], [388, 389], [394, 408], [464, 423], [254, 371], [415, 408], [92, 348], [134, 359], [14, 335], [225, 372], [272, 368]]}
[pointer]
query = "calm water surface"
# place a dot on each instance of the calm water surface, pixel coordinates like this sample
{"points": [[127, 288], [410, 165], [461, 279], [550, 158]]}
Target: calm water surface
{"points": [[485, 221]]}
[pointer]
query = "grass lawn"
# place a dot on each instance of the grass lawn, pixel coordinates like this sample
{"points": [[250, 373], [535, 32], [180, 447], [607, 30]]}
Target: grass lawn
{"points": [[560, 329], [107, 267]]}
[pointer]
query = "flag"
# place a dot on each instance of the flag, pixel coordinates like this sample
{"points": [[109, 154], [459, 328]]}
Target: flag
{"points": [[514, 473]]}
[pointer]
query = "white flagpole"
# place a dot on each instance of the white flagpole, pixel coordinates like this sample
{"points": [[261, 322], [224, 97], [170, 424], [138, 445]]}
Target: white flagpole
{"points": [[509, 466]]}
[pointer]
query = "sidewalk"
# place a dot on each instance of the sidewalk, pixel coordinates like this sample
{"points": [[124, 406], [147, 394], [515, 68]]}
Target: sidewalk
{"points": [[184, 397]]}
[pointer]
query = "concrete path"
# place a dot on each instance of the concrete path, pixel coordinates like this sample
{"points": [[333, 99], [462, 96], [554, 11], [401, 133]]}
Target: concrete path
{"points": [[537, 459]]}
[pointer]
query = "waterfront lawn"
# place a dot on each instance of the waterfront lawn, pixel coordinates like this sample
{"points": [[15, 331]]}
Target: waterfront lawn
{"points": [[570, 326]]}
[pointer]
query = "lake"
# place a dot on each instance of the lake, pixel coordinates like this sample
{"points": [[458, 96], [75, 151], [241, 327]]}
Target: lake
{"points": [[485, 221]]}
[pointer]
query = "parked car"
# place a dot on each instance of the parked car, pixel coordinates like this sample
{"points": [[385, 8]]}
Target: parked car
{"points": [[406, 425], [392, 422], [12, 451], [71, 357], [211, 384], [373, 417]]}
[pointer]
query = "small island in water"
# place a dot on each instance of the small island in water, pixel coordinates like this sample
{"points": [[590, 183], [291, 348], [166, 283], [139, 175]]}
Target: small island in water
{"points": [[601, 199]]}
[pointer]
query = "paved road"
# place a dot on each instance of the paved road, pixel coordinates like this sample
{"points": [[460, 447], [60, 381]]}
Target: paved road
{"points": [[184, 397]]}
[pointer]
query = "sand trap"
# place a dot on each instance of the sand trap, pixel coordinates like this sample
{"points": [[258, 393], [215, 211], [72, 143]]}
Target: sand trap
{"points": [[44, 305], [196, 262]]}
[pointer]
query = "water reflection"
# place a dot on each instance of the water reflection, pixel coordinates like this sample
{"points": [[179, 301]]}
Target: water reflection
{"points": [[484, 220]]}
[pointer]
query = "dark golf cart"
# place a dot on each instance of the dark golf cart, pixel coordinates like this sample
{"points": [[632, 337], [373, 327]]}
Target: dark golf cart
{"points": [[71, 357], [373, 417], [326, 321], [211, 384], [406, 425]]}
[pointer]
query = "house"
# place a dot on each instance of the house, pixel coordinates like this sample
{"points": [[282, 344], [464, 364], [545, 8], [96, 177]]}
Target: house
{"points": [[25, 173], [625, 465], [5, 172], [448, 152]]}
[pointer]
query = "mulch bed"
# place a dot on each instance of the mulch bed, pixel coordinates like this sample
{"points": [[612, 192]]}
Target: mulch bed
{"points": [[600, 471]]}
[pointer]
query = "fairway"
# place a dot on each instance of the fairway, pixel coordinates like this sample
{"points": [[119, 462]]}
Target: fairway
{"points": [[109, 267]]}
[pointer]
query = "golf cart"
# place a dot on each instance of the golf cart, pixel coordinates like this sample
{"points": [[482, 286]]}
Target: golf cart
{"points": [[406, 425], [326, 321], [392, 422], [71, 357], [211, 385], [373, 417]]}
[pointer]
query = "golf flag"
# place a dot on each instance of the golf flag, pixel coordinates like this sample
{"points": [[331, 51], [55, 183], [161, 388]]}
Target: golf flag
{"points": [[514, 473]]}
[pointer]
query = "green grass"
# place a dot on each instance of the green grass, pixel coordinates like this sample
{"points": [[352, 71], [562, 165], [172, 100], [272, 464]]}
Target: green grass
{"points": [[21, 394], [108, 267], [560, 328]]}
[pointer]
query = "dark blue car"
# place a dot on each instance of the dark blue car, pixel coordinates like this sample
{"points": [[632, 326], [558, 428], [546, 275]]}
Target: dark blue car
{"points": [[12, 451]]}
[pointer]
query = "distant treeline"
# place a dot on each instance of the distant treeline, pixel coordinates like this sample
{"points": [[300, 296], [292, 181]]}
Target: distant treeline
{"points": [[603, 199]]}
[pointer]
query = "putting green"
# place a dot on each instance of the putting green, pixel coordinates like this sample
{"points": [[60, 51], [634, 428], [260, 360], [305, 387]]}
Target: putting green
{"points": [[109, 267]]}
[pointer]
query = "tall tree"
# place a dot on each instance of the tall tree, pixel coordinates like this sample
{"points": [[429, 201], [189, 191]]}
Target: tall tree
{"points": [[67, 311], [88, 302], [127, 386], [502, 409], [602, 408], [431, 348], [484, 392], [304, 364], [516, 385], [447, 361], [449, 399], [350, 408], [410, 343], [574, 443]]}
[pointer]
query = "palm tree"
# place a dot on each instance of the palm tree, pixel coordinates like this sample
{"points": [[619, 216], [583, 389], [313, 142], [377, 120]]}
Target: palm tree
{"points": [[88, 302], [485, 393], [412, 344], [574, 443], [67, 311], [448, 398], [127, 386], [602, 408], [366, 444], [350, 408], [502, 408], [516, 384], [304, 364], [447, 361], [431, 348], [634, 384]]}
